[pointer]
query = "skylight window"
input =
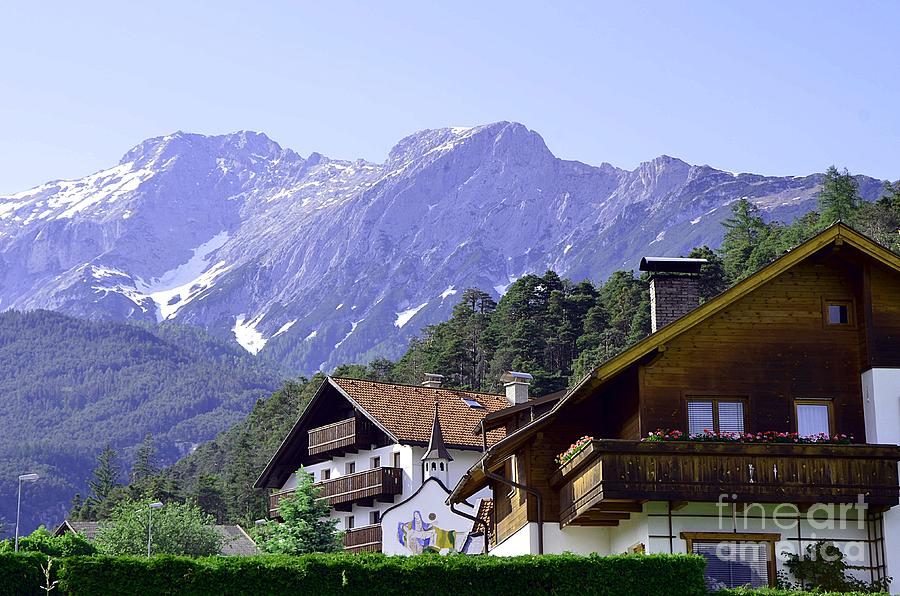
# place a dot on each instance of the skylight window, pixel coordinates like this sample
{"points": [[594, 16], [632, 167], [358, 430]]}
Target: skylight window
{"points": [[472, 403]]}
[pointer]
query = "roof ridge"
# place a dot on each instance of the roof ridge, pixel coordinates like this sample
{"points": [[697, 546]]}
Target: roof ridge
{"points": [[396, 384]]}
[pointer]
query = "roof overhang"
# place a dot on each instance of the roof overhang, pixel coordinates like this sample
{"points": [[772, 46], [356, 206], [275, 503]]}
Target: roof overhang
{"points": [[270, 476]]}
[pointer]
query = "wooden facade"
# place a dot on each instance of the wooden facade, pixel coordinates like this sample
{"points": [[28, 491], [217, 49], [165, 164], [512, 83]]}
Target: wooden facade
{"points": [[767, 347]]}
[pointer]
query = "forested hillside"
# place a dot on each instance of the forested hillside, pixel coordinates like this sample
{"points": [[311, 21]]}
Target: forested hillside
{"points": [[551, 327], [68, 387]]}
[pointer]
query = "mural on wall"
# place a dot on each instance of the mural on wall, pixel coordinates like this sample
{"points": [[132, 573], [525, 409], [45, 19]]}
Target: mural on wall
{"points": [[423, 523], [418, 536]]}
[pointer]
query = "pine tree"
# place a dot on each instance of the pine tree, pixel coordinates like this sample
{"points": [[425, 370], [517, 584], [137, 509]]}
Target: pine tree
{"points": [[104, 482], [307, 527], [144, 461], [210, 498], [712, 275], [744, 232], [839, 197]]}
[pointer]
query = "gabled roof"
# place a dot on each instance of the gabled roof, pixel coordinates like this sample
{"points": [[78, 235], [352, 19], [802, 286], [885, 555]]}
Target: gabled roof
{"points": [[838, 235], [87, 529], [402, 412], [235, 541], [436, 448]]}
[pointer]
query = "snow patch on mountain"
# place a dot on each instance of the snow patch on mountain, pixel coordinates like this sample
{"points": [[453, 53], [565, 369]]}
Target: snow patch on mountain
{"points": [[448, 292], [247, 335], [178, 286], [403, 317], [284, 328]]}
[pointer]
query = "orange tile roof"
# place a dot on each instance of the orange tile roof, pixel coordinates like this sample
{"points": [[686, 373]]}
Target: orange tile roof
{"points": [[407, 411]]}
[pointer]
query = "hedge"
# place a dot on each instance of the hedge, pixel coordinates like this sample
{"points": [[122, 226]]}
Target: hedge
{"points": [[774, 592], [364, 574], [21, 574]]}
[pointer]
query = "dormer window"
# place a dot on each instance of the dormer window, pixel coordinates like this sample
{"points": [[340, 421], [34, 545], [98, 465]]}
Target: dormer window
{"points": [[472, 403]]}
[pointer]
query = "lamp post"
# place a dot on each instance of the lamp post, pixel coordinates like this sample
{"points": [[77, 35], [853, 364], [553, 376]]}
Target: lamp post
{"points": [[22, 478], [150, 509]]}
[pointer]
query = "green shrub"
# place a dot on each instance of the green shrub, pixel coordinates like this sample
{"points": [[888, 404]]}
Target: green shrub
{"points": [[42, 541], [775, 592], [348, 575], [21, 574]]}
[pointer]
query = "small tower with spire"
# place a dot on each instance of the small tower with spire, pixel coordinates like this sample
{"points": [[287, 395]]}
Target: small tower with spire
{"points": [[436, 461]]}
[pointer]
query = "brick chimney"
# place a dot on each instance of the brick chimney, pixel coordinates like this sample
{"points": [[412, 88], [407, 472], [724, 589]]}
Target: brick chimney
{"points": [[516, 385], [674, 288], [433, 380]]}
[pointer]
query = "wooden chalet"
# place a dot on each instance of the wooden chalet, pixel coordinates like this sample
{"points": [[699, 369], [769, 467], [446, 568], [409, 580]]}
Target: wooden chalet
{"points": [[810, 344], [367, 445]]}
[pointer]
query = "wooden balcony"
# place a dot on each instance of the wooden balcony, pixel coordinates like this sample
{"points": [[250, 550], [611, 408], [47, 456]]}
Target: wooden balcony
{"points": [[610, 478], [362, 488], [366, 539], [344, 436], [276, 498]]}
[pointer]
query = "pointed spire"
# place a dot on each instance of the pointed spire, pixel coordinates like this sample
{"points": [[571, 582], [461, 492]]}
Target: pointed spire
{"points": [[436, 448]]}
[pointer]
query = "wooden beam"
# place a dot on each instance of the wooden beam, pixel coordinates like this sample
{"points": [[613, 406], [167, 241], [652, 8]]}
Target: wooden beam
{"points": [[595, 524], [621, 506], [600, 516], [677, 505]]}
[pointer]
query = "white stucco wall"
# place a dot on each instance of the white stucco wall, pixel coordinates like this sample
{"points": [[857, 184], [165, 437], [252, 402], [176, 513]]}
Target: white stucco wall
{"points": [[652, 529], [428, 506], [410, 463], [881, 399]]}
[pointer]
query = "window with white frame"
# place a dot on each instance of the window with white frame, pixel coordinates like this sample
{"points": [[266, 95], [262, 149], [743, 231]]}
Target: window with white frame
{"points": [[735, 560], [713, 414], [813, 417]]}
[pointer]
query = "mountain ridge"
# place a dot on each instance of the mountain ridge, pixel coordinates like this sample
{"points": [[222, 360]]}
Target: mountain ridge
{"points": [[315, 261]]}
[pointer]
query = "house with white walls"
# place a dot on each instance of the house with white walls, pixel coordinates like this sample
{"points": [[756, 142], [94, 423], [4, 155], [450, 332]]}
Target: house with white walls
{"points": [[753, 425], [386, 451]]}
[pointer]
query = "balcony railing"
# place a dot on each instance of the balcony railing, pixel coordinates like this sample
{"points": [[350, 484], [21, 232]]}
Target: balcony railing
{"points": [[613, 471], [366, 539], [380, 484], [351, 434], [274, 499]]}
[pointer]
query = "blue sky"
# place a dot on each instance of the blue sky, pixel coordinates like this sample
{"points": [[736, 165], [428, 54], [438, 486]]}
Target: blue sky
{"points": [[769, 87]]}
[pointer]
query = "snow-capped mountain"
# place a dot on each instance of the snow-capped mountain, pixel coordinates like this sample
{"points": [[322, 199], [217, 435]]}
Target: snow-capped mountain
{"points": [[316, 261]]}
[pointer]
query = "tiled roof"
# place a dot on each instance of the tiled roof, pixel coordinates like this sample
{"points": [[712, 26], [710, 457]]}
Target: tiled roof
{"points": [[407, 411], [87, 529], [235, 541]]}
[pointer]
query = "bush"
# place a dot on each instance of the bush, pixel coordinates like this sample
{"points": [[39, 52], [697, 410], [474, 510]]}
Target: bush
{"points": [[21, 574], [774, 592], [42, 541], [348, 575]]}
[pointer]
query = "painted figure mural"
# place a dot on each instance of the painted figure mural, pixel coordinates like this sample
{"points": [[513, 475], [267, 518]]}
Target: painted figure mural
{"points": [[418, 536]]}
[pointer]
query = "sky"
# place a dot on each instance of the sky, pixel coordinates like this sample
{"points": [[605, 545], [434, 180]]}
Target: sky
{"points": [[780, 88]]}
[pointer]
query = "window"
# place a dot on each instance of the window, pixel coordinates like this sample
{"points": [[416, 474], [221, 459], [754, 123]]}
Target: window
{"points": [[376, 462], [349, 523], [325, 475], [350, 468], [813, 417], [734, 560], [472, 403], [374, 518], [838, 313], [715, 415], [397, 459]]}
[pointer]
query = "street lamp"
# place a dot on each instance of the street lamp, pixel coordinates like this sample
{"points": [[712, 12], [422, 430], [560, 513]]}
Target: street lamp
{"points": [[22, 478], [150, 509]]}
